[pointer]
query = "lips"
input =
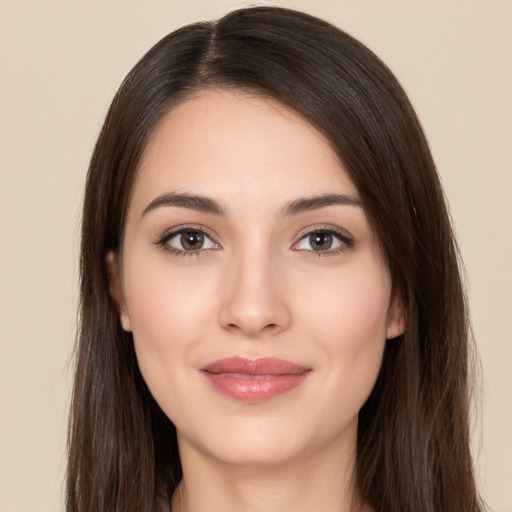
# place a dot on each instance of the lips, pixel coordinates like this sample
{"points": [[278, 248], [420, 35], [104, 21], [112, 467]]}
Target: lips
{"points": [[254, 380]]}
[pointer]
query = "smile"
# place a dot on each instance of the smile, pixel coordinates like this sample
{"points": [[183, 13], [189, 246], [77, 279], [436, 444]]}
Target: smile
{"points": [[254, 380]]}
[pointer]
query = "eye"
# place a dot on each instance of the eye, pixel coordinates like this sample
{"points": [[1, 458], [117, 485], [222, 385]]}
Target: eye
{"points": [[323, 240], [189, 240]]}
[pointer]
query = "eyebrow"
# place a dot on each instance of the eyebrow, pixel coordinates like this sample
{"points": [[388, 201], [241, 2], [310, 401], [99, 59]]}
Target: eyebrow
{"points": [[316, 202], [211, 206], [189, 201]]}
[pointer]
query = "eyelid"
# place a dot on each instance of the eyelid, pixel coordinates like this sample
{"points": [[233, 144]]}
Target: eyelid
{"points": [[347, 241], [174, 231], [343, 236]]}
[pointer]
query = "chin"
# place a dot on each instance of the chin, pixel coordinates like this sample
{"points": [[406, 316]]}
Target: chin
{"points": [[268, 442], [255, 454]]}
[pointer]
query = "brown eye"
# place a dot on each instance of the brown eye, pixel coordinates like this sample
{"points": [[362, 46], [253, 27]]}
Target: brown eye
{"points": [[320, 241], [192, 240], [323, 241], [189, 240]]}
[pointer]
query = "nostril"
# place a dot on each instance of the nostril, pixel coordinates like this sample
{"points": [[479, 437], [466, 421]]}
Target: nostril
{"points": [[251, 316], [268, 327]]}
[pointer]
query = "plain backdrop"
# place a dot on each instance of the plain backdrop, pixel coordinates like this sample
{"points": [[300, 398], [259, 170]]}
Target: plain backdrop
{"points": [[60, 64]]}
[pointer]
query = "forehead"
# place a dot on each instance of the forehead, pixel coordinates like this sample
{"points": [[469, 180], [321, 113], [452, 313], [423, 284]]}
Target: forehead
{"points": [[238, 147]]}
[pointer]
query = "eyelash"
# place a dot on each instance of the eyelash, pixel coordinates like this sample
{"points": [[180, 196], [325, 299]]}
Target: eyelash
{"points": [[163, 241], [346, 243]]}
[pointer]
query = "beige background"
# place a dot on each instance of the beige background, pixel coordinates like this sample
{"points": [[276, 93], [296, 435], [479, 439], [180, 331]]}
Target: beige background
{"points": [[60, 64]]}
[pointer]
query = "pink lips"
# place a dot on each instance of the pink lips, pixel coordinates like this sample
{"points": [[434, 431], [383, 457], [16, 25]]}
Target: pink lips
{"points": [[254, 380]]}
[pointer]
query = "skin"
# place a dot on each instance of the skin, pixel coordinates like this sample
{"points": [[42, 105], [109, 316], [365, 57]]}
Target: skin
{"points": [[256, 289]]}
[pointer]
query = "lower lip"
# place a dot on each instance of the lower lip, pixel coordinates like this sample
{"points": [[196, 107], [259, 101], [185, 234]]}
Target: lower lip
{"points": [[251, 388]]}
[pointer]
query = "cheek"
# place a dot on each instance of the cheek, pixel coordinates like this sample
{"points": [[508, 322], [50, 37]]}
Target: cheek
{"points": [[348, 324], [355, 318], [169, 314], [164, 303]]}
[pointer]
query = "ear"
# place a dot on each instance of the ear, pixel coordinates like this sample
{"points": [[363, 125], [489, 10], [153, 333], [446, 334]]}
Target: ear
{"points": [[396, 316], [116, 289]]}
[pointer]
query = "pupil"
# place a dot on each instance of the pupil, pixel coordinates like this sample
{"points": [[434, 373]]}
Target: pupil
{"points": [[192, 240], [321, 241]]}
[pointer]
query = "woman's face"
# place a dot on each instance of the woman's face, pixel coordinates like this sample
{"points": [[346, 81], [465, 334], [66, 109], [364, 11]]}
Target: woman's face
{"points": [[252, 282]]}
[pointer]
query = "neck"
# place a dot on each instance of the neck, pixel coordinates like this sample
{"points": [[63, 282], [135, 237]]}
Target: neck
{"points": [[316, 481]]}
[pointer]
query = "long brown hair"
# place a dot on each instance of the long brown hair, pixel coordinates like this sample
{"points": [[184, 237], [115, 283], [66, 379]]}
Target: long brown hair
{"points": [[413, 439]]}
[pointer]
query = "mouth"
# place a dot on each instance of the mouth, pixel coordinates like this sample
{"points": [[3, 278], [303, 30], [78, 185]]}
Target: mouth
{"points": [[254, 380]]}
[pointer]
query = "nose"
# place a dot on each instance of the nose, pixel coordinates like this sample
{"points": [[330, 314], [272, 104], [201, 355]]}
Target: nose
{"points": [[254, 298]]}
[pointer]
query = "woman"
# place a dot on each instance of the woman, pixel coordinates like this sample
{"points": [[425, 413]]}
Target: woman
{"points": [[272, 315]]}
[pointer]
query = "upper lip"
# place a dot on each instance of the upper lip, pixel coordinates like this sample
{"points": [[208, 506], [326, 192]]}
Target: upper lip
{"points": [[258, 366]]}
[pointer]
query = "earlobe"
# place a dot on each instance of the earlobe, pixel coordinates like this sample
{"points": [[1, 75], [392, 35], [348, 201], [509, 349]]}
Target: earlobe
{"points": [[396, 317], [116, 289]]}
